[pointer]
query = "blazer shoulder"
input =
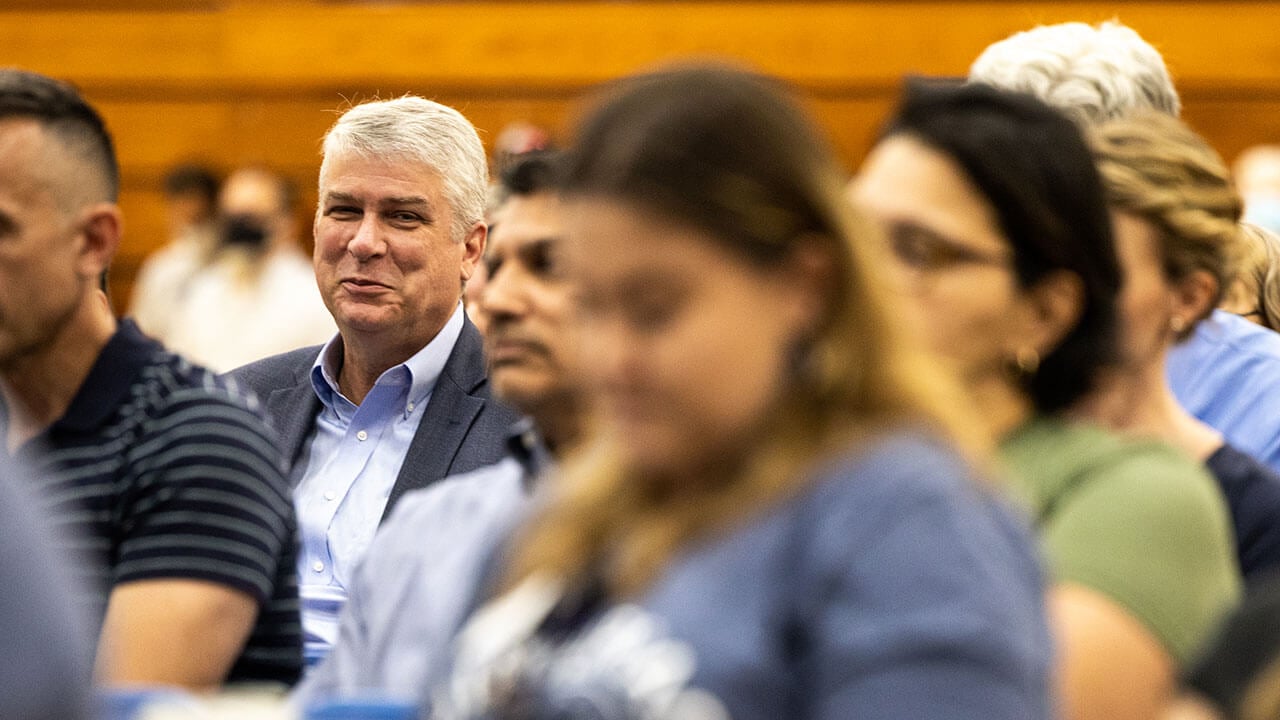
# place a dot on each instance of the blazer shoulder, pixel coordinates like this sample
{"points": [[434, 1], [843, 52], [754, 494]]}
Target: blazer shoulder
{"points": [[277, 371]]}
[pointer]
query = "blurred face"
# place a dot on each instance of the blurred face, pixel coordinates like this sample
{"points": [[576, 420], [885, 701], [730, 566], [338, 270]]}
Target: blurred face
{"points": [[683, 344], [387, 268], [252, 199], [527, 304], [1146, 297], [473, 291], [952, 259], [42, 277]]}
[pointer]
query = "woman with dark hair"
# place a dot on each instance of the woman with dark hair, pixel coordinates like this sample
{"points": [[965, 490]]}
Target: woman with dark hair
{"points": [[770, 517], [997, 217]]}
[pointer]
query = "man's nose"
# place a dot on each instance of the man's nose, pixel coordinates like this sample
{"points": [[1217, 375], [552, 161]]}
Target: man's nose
{"points": [[367, 242], [504, 293]]}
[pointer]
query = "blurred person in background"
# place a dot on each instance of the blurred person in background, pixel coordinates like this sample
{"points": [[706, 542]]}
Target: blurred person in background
{"points": [[769, 516], [1257, 175], [163, 481], [996, 216], [399, 398], [430, 563], [257, 295], [191, 196], [515, 139], [1255, 294], [1176, 222], [1226, 373]]}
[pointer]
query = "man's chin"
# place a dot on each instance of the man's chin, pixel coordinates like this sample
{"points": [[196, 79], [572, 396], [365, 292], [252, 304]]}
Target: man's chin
{"points": [[519, 387], [363, 320]]}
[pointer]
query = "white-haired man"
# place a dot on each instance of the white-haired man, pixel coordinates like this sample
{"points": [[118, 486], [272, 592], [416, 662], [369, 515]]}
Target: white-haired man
{"points": [[399, 398]]}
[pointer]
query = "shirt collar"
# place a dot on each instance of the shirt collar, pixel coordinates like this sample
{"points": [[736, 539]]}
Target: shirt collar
{"points": [[108, 383], [527, 446], [419, 372]]}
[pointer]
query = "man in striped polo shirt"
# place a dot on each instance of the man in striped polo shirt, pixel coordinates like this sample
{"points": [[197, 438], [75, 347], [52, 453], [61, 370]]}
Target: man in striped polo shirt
{"points": [[176, 496]]}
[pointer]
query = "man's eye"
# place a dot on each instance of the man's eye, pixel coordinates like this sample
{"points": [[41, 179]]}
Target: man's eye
{"points": [[406, 218], [542, 262], [342, 211]]}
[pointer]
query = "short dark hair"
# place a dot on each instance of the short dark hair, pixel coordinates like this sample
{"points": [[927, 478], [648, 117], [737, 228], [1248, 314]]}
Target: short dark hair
{"points": [[192, 180], [1035, 168], [60, 109], [530, 173]]}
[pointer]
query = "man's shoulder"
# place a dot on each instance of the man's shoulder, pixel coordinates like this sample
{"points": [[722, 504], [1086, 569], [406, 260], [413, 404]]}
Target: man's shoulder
{"points": [[182, 412], [275, 371], [477, 492], [481, 502]]}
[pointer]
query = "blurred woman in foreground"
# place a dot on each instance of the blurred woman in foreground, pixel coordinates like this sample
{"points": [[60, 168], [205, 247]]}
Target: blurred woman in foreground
{"points": [[997, 217], [772, 520]]}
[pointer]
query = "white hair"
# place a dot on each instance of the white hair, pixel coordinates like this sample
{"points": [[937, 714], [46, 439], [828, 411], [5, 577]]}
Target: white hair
{"points": [[415, 129], [1093, 73]]}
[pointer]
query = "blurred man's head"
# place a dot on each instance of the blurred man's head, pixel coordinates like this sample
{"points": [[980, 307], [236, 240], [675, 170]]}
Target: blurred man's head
{"points": [[190, 196], [59, 225], [1093, 73], [528, 301]]}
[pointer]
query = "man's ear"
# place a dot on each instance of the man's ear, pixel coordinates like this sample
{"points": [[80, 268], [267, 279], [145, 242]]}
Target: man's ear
{"points": [[1055, 304], [809, 275], [473, 249], [101, 227]]}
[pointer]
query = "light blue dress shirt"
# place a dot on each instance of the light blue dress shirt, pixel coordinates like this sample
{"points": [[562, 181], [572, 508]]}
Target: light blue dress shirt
{"points": [[353, 461], [1228, 375]]}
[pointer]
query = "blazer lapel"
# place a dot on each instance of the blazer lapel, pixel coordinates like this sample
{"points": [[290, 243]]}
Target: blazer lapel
{"points": [[294, 410], [447, 418]]}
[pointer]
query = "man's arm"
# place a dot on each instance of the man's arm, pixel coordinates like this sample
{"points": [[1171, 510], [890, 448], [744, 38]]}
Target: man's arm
{"points": [[205, 535], [173, 632]]}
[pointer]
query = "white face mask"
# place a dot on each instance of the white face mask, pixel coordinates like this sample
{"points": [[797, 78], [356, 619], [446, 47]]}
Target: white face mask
{"points": [[1263, 210]]}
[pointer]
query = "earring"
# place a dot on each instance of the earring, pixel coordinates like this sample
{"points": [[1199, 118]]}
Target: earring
{"points": [[1177, 324], [1027, 360]]}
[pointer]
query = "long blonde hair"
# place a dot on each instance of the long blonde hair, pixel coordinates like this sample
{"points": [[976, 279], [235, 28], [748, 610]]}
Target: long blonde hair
{"points": [[725, 151]]}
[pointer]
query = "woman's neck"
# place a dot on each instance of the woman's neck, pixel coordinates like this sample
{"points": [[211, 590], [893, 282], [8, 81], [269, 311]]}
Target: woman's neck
{"points": [[1136, 401]]}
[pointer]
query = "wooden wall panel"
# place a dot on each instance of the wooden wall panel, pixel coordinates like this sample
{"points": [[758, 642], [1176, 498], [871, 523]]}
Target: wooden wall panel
{"points": [[235, 82]]}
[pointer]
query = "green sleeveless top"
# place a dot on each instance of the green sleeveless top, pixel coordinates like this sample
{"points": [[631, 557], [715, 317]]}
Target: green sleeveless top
{"points": [[1134, 520]]}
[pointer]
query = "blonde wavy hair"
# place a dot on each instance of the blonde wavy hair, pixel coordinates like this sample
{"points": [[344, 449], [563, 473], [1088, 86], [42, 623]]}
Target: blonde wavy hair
{"points": [[1258, 283], [725, 151], [1157, 168]]}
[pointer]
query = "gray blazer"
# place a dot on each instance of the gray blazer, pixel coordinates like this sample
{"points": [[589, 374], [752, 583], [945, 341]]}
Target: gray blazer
{"points": [[462, 429]]}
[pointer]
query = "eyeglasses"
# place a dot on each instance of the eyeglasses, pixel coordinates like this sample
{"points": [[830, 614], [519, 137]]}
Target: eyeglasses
{"points": [[925, 252]]}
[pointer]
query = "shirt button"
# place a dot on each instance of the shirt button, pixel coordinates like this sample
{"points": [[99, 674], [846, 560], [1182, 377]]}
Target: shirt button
{"points": [[318, 566], [362, 436], [329, 495]]}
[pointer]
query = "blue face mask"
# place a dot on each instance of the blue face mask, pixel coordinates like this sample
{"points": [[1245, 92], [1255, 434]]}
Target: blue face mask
{"points": [[1263, 211]]}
